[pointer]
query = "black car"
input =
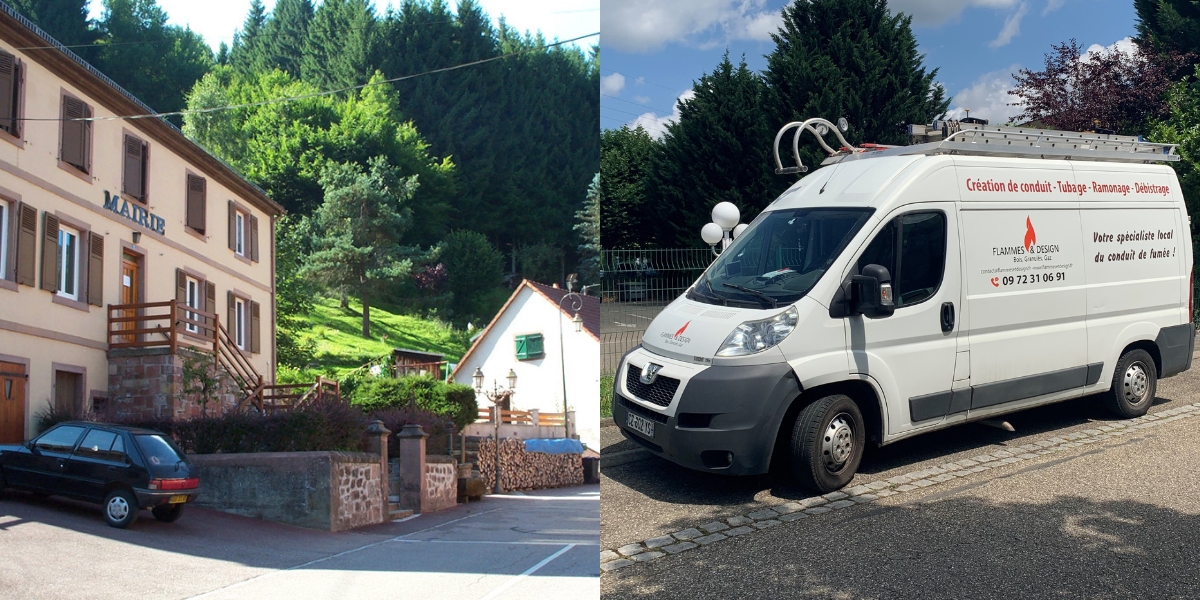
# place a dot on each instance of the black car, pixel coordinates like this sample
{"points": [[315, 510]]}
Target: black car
{"points": [[124, 469]]}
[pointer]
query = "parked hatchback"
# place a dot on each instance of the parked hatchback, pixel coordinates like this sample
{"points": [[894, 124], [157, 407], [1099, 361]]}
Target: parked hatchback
{"points": [[124, 469]]}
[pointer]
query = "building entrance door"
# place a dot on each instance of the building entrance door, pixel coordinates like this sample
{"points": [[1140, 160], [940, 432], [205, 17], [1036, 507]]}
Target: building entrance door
{"points": [[131, 274], [12, 403]]}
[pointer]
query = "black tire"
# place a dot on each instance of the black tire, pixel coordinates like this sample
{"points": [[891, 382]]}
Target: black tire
{"points": [[120, 508], [167, 513], [2, 483], [1134, 384], [826, 455]]}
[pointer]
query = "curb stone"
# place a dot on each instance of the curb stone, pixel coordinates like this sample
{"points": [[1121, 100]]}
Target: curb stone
{"points": [[771, 516]]}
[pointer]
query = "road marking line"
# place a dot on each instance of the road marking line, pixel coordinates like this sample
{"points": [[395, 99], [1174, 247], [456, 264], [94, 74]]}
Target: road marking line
{"points": [[531, 570], [592, 498], [333, 556], [558, 543]]}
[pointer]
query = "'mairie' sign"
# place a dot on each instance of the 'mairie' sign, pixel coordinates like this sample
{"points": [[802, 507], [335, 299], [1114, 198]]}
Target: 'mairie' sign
{"points": [[134, 213]]}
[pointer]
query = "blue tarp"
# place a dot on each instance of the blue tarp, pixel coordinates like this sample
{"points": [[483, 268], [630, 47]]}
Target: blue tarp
{"points": [[554, 446]]}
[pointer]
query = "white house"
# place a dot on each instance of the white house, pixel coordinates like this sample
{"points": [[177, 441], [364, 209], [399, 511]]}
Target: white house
{"points": [[524, 337]]}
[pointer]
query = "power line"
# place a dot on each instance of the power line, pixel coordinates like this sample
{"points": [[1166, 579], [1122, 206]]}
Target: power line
{"points": [[635, 103], [672, 90], [319, 94]]}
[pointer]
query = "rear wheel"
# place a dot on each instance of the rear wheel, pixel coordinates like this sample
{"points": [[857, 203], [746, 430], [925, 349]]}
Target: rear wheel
{"points": [[1134, 384], [120, 508], [167, 513], [828, 438]]}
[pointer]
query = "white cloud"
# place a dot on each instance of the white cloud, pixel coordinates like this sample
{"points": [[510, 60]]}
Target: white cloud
{"points": [[1125, 45], [1012, 26], [612, 84], [988, 98], [638, 26], [937, 12], [641, 99], [1053, 5], [655, 125], [640, 80]]}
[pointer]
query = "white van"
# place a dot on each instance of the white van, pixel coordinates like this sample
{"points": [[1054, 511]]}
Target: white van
{"points": [[902, 290]]}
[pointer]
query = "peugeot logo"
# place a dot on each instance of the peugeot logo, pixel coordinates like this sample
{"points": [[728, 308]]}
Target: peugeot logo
{"points": [[650, 373]]}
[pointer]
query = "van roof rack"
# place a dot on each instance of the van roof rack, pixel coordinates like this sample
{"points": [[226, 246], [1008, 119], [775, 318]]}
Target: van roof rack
{"points": [[958, 137]]}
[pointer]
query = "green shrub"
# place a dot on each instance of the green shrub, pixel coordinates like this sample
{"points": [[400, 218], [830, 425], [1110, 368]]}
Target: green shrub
{"points": [[446, 399]]}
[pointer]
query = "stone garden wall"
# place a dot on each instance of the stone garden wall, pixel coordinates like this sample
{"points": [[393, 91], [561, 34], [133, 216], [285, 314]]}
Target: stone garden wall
{"points": [[147, 383], [441, 483]]}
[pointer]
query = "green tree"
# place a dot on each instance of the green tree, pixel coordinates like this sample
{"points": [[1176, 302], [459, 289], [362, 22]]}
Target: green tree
{"points": [[249, 52], [1168, 25], [854, 59], [540, 262], [1182, 126], [286, 31], [154, 61], [719, 150], [358, 229], [65, 20], [293, 292], [626, 219], [340, 44], [588, 227], [473, 266]]}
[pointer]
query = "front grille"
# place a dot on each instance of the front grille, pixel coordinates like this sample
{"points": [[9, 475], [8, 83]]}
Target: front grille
{"points": [[641, 410], [659, 393]]}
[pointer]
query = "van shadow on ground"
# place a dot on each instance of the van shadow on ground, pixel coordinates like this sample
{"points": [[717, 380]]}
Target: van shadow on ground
{"points": [[962, 547]]}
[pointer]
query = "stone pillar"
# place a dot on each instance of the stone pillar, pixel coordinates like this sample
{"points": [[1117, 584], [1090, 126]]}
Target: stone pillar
{"points": [[412, 466], [375, 442], [533, 416]]}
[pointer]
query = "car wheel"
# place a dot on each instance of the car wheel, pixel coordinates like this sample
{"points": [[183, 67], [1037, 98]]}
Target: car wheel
{"points": [[120, 508], [828, 438], [1134, 384], [167, 513], [2, 484]]}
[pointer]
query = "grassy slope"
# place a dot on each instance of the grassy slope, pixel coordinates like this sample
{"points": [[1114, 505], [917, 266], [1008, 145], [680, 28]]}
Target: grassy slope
{"points": [[341, 347]]}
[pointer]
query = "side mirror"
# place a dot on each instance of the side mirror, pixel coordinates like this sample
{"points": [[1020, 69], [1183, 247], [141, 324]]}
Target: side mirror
{"points": [[870, 294]]}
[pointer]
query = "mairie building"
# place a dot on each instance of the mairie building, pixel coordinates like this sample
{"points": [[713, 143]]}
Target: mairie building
{"points": [[124, 249]]}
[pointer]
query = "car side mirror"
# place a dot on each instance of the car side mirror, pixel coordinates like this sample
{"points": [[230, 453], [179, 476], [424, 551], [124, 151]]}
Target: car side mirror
{"points": [[870, 294]]}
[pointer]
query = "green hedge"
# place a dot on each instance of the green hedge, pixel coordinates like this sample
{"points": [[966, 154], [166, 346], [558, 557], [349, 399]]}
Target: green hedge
{"points": [[452, 400]]}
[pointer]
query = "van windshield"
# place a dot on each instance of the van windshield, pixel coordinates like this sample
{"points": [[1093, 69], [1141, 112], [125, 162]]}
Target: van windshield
{"points": [[779, 257]]}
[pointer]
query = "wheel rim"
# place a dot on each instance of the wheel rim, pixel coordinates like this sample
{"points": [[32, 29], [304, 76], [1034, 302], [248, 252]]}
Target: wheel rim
{"points": [[838, 442], [1136, 385], [118, 508]]}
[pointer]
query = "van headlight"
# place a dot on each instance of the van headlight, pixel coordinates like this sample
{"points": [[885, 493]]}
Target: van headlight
{"points": [[753, 337]]}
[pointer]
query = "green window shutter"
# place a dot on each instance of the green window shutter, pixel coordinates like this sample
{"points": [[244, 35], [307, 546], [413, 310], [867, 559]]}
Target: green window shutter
{"points": [[535, 345], [522, 347]]}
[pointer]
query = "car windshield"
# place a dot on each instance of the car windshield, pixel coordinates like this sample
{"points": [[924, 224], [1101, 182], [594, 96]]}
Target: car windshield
{"points": [[158, 449], [779, 257]]}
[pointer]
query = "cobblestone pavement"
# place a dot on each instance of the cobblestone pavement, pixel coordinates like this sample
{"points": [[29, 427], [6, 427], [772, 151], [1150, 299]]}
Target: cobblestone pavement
{"points": [[719, 521]]}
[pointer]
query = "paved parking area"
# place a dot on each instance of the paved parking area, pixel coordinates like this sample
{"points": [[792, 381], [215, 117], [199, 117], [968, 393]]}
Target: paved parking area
{"points": [[509, 546]]}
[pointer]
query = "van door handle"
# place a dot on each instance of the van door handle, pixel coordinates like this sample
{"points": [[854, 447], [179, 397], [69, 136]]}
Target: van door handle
{"points": [[947, 316]]}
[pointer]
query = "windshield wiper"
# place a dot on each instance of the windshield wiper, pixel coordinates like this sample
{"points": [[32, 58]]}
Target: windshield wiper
{"points": [[774, 304]]}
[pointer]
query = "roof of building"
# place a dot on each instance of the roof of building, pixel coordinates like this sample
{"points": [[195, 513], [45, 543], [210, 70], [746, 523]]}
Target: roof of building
{"points": [[40, 46], [589, 311], [436, 355]]}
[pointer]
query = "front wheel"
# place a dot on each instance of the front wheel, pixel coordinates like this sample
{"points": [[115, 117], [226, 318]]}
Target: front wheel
{"points": [[828, 438], [120, 508], [167, 513], [1134, 383]]}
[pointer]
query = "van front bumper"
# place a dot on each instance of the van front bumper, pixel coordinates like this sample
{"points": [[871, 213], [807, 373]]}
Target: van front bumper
{"points": [[723, 419]]}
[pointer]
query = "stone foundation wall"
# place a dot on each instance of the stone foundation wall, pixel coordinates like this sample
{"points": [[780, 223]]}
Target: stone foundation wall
{"points": [[441, 483], [149, 383], [333, 491], [521, 470]]}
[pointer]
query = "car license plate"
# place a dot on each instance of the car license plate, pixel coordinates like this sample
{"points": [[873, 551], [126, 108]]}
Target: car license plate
{"points": [[640, 424], [178, 499]]}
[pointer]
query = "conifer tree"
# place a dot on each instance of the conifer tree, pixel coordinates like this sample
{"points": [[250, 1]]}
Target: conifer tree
{"points": [[286, 32], [588, 227], [65, 20], [340, 44], [1169, 25], [626, 220], [249, 54]]}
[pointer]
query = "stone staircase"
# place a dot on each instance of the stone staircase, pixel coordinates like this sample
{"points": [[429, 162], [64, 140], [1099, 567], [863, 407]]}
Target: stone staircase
{"points": [[395, 513]]}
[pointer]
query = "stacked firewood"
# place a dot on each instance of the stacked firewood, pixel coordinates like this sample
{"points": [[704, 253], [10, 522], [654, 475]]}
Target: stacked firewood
{"points": [[521, 470]]}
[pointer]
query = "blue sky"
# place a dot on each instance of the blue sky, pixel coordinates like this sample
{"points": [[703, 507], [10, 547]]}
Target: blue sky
{"points": [[651, 53], [217, 20]]}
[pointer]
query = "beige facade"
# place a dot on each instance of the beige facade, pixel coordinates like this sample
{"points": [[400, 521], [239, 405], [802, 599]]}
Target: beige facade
{"points": [[111, 247]]}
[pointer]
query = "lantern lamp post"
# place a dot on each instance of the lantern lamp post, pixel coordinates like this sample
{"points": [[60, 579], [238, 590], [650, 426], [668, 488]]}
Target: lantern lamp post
{"points": [[496, 396]]}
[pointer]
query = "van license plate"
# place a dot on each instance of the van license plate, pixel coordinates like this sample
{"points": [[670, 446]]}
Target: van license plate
{"points": [[180, 499], [640, 424]]}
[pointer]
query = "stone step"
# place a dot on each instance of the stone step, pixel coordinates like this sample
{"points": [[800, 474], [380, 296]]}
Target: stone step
{"points": [[399, 513]]}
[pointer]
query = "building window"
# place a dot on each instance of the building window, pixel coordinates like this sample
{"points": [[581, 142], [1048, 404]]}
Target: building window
{"points": [[10, 94], [75, 145], [134, 180], [239, 323], [68, 262], [530, 346], [3, 240], [193, 301], [197, 204], [239, 243]]}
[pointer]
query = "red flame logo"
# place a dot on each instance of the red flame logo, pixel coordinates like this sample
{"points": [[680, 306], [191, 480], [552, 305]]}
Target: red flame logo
{"points": [[1030, 236], [682, 329]]}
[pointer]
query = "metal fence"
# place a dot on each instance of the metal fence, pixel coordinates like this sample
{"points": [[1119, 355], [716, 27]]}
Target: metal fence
{"points": [[635, 286]]}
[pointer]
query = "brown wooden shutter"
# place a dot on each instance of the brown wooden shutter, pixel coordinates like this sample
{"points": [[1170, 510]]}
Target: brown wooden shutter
{"points": [[255, 326], [230, 323], [232, 227], [210, 299], [26, 244], [8, 87], [50, 253], [197, 202], [85, 146], [73, 149], [134, 163], [252, 223], [180, 287], [95, 294]]}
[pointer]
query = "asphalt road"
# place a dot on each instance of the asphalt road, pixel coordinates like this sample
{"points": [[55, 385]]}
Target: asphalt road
{"points": [[536, 544], [654, 497]]}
